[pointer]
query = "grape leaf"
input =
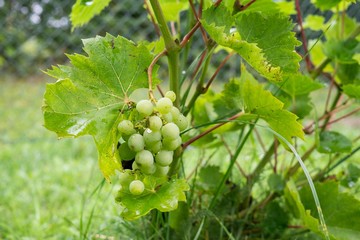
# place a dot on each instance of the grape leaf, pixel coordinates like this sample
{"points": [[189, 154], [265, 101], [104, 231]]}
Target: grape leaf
{"points": [[297, 84], [251, 98], [250, 52], [164, 198], [333, 142], [273, 34], [88, 96], [341, 210], [295, 205], [352, 90], [271, 55], [84, 10]]}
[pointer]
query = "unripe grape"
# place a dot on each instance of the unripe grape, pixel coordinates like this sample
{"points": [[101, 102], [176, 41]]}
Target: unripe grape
{"points": [[126, 127], [151, 137], [175, 113], [171, 144], [136, 142], [125, 152], [161, 171], [136, 187], [125, 178], [181, 122], [145, 107], [168, 117], [144, 158], [170, 131], [164, 158], [148, 169], [155, 148], [155, 123], [170, 95], [164, 105], [134, 166]]}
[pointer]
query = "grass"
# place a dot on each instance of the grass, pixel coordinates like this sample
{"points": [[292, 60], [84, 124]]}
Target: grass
{"points": [[46, 184]]}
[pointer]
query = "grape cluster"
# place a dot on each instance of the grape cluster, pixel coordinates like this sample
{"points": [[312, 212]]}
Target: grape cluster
{"points": [[150, 138]]}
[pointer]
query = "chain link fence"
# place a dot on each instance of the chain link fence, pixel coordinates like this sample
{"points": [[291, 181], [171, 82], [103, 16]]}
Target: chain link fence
{"points": [[35, 34]]}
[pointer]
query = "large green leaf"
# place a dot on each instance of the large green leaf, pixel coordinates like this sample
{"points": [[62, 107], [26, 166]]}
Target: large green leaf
{"points": [[340, 209], [160, 194], [263, 37], [89, 96], [84, 10], [273, 34], [250, 97]]}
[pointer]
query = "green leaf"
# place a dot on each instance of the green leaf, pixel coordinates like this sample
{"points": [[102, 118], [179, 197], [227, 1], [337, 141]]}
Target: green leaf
{"points": [[270, 54], [252, 99], [209, 178], [340, 209], [273, 34], [333, 142], [218, 23], [164, 197], [348, 73], [326, 4], [295, 205], [276, 182], [90, 94], [314, 22], [84, 10], [297, 84], [352, 90]]}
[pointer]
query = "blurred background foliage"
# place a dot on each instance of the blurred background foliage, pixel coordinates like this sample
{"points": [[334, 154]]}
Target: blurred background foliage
{"points": [[35, 34]]}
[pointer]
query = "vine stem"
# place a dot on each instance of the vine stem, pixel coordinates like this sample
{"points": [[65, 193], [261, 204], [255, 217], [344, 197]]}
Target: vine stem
{"points": [[309, 65], [147, 7], [190, 141], [149, 73], [172, 49]]}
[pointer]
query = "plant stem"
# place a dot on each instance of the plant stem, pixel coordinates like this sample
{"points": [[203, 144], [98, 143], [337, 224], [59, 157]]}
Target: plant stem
{"points": [[172, 49]]}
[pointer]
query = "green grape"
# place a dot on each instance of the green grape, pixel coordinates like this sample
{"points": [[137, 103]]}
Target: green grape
{"points": [[125, 178], [170, 95], [155, 123], [155, 148], [136, 187], [148, 169], [164, 105], [136, 142], [151, 137], [125, 152], [164, 158], [144, 158], [175, 113], [126, 127], [170, 131], [181, 122], [134, 166], [145, 107], [161, 170], [167, 117], [172, 144]]}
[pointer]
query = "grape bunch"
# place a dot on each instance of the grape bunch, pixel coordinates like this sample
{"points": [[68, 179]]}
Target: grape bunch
{"points": [[149, 138]]}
